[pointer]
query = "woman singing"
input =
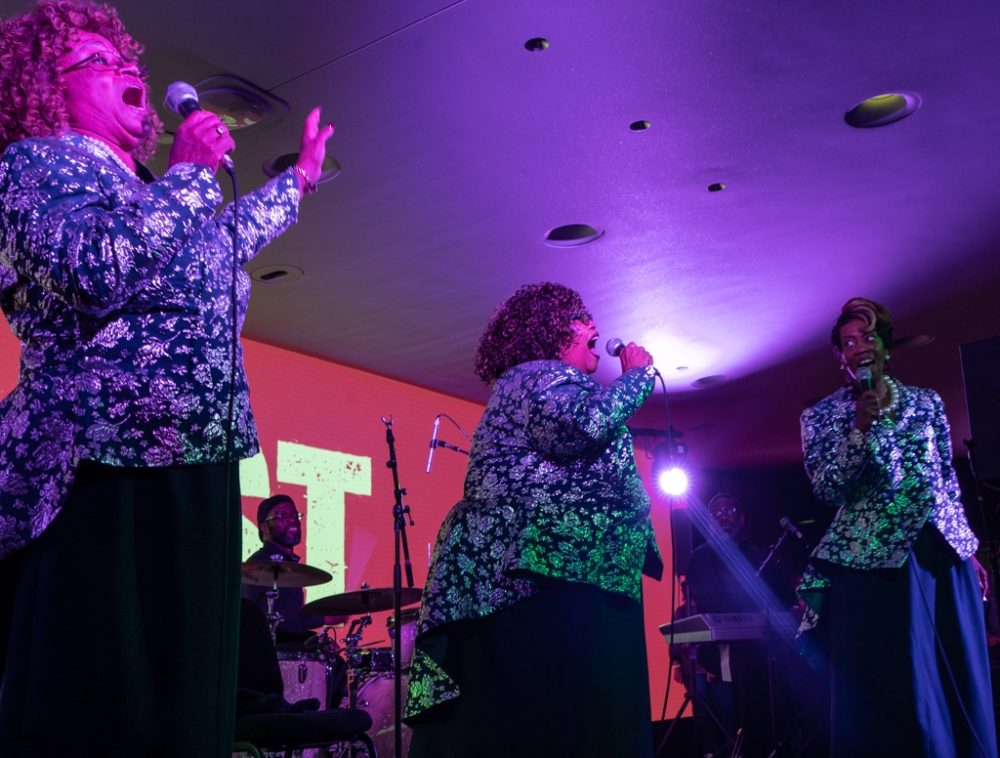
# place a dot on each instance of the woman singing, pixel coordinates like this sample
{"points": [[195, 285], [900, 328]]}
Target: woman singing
{"points": [[119, 511], [902, 605], [530, 638]]}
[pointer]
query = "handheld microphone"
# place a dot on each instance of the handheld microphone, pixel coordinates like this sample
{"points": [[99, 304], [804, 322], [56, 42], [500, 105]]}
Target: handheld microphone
{"points": [[864, 375], [434, 443], [615, 347], [182, 98], [789, 526]]}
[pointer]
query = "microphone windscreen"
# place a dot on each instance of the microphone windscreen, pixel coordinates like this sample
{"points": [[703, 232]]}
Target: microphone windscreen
{"points": [[180, 97], [615, 347], [865, 376]]}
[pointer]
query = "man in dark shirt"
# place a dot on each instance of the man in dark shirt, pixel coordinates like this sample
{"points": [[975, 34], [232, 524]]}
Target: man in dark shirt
{"points": [[280, 529]]}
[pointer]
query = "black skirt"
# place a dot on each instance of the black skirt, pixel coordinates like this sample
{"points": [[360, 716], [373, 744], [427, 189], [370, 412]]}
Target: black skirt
{"points": [[561, 673], [123, 619]]}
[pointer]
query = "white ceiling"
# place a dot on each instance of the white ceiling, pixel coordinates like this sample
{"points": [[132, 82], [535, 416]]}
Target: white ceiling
{"points": [[461, 149]]}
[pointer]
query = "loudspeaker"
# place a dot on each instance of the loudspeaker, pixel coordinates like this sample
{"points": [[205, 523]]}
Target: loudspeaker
{"points": [[981, 373]]}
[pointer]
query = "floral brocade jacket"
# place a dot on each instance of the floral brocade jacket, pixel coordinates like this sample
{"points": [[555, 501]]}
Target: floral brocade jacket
{"points": [[885, 484], [119, 292], [551, 490]]}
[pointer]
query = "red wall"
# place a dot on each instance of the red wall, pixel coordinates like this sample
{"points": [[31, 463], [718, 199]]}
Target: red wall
{"points": [[324, 444]]}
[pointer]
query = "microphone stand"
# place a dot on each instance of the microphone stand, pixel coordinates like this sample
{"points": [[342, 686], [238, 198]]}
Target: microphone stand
{"points": [[769, 652], [774, 549], [449, 446], [400, 513]]}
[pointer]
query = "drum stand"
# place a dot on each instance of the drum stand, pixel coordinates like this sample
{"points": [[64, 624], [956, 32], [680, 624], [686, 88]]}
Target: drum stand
{"points": [[273, 617], [352, 648]]}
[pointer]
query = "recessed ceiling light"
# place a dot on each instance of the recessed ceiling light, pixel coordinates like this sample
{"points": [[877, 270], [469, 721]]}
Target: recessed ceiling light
{"points": [[240, 104], [331, 166], [709, 381], [882, 110], [639, 126], [277, 274], [536, 44], [572, 235]]}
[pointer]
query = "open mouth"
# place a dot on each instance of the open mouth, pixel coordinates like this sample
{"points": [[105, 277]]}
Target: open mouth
{"points": [[134, 97], [592, 344]]}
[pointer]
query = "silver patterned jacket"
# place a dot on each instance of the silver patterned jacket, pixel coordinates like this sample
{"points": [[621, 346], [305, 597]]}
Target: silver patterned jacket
{"points": [[118, 291], [886, 485], [552, 491]]}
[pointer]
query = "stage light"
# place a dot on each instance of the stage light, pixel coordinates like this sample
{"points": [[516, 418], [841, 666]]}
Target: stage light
{"points": [[670, 465], [673, 481]]}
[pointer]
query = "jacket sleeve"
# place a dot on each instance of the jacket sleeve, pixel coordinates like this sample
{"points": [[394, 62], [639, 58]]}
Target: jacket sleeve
{"points": [[942, 441], [61, 228], [835, 454], [263, 214], [571, 415]]}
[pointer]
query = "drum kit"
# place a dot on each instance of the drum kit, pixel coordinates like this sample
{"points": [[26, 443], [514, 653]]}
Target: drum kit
{"points": [[370, 668]]}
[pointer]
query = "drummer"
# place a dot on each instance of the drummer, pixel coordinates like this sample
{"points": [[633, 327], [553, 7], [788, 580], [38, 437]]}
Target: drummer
{"points": [[280, 529]]}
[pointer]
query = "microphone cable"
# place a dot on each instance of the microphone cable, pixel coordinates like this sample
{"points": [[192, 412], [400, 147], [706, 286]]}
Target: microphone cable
{"points": [[232, 522]]}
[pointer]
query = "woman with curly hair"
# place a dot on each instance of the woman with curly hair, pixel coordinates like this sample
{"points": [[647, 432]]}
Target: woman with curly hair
{"points": [[530, 637], [894, 581], [117, 493]]}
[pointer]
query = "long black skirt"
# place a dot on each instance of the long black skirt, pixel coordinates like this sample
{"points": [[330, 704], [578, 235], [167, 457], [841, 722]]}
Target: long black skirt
{"points": [[561, 673], [124, 619], [909, 669]]}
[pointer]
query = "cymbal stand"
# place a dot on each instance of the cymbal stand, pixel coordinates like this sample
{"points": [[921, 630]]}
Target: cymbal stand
{"points": [[273, 617], [400, 514]]}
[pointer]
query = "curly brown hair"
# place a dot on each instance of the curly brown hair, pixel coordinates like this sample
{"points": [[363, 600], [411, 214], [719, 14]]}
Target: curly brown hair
{"points": [[875, 316], [31, 99], [534, 323]]}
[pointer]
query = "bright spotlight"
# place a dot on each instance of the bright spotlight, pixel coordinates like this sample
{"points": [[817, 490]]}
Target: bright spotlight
{"points": [[673, 481], [669, 465]]}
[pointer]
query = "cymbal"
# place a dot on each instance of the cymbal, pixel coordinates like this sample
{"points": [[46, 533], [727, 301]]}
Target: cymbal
{"points": [[287, 573], [361, 601]]}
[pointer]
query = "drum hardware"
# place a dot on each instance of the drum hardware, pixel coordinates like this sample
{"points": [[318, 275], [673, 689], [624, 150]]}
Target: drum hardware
{"points": [[280, 574], [274, 618], [352, 644]]}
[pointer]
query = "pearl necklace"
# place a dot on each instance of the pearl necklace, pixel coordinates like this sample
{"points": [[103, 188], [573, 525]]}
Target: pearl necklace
{"points": [[889, 409]]}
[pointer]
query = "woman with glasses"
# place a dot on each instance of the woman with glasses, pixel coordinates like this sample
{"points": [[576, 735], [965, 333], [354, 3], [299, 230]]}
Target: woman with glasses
{"points": [[894, 588], [530, 636], [119, 511]]}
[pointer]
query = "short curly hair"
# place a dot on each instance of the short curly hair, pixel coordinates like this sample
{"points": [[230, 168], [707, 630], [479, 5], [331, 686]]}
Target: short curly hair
{"points": [[31, 98], [875, 316], [534, 323]]}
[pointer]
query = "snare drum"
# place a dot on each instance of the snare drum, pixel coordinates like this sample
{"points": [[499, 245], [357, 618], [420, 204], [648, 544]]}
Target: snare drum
{"points": [[304, 676]]}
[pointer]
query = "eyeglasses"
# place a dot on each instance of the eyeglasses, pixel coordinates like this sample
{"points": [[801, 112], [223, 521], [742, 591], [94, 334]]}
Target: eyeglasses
{"points": [[724, 510], [285, 517], [104, 60]]}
